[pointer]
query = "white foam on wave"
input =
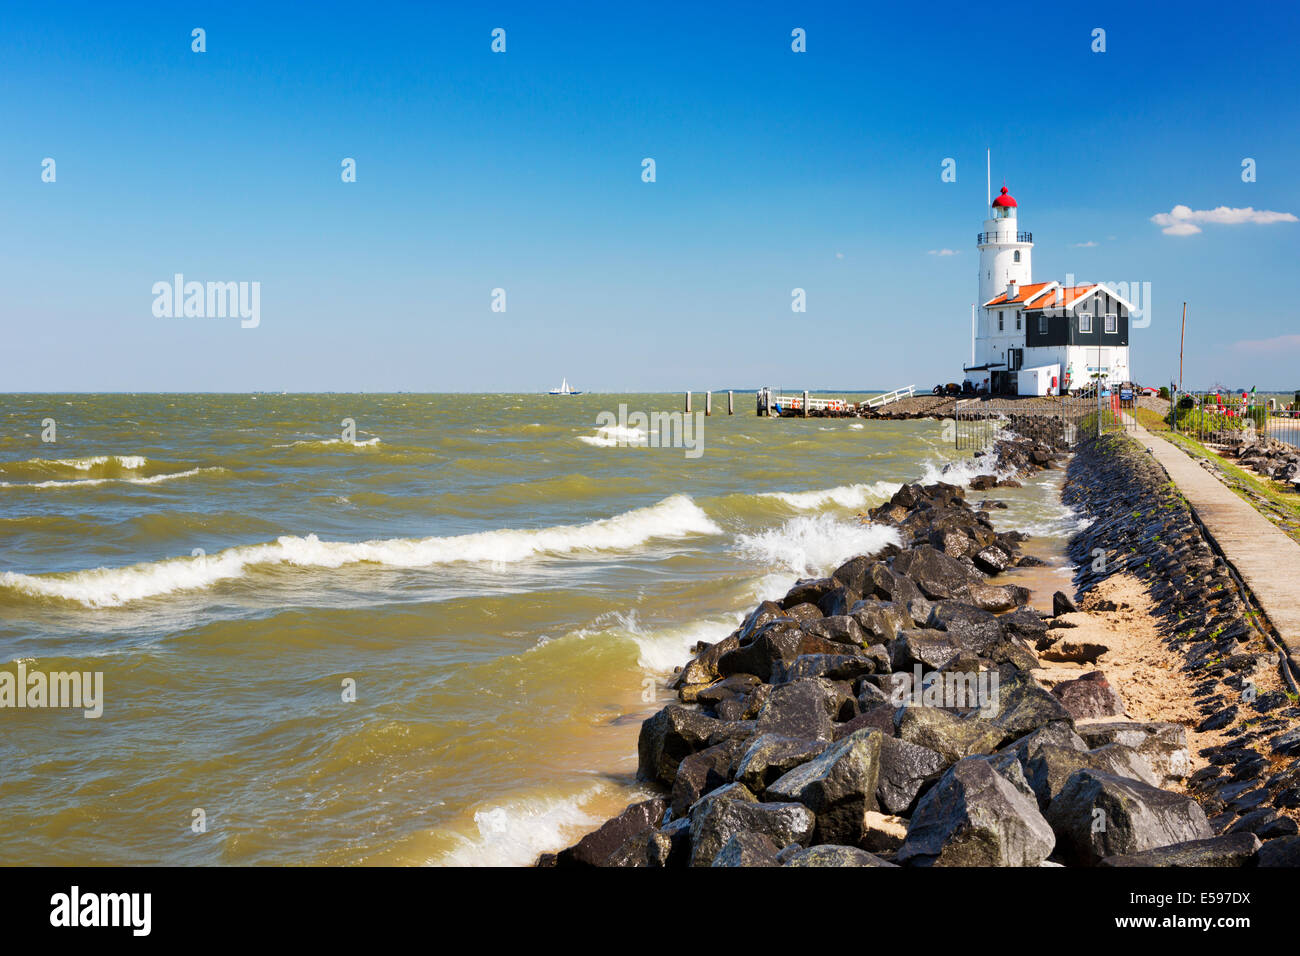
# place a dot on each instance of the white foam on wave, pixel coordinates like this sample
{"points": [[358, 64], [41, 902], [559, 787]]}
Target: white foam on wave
{"points": [[514, 832], [326, 442], [91, 482], [125, 462], [961, 471], [613, 436], [674, 517], [815, 544], [846, 496], [662, 649]]}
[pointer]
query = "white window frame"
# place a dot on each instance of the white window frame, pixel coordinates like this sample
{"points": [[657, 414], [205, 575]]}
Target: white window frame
{"points": [[1110, 325], [1082, 328], [1000, 314], [1017, 320], [1042, 323]]}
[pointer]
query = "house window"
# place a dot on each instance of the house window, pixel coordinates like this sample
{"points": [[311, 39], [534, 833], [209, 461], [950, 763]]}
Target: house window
{"points": [[1042, 325], [1017, 255], [1017, 320], [1085, 321], [999, 321], [1111, 322]]}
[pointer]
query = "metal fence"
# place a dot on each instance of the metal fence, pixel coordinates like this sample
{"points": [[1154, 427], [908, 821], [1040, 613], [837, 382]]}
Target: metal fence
{"points": [[1070, 419], [1227, 417]]}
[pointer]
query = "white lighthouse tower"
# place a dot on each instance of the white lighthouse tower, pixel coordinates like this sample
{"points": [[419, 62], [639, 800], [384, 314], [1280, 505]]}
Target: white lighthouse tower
{"points": [[1005, 252], [1005, 267]]}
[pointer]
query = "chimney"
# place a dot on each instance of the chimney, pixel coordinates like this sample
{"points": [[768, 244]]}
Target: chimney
{"points": [[1011, 290]]}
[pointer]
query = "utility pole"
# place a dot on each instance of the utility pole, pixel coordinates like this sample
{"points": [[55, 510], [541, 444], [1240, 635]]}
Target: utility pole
{"points": [[1181, 337]]}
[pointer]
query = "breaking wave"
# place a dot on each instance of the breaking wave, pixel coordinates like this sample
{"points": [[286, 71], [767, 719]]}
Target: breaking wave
{"points": [[815, 544], [674, 517]]}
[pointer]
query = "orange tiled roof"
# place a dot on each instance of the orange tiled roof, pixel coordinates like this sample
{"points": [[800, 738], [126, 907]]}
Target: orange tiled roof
{"points": [[1023, 295], [1063, 297]]}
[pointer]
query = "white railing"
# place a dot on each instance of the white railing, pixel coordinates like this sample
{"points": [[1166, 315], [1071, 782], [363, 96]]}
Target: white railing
{"points": [[786, 403], [896, 395]]}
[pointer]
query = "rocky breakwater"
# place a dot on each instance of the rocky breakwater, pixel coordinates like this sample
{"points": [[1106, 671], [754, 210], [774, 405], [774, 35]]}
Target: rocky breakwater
{"points": [[1267, 457], [888, 715], [1250, 786]]}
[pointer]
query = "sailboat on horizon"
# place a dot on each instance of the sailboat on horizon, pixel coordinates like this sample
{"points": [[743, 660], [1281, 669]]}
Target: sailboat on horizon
{"points": [[565, 389]]}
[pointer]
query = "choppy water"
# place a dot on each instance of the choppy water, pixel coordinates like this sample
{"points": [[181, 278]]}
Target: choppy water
{"points": [[502, 580]]}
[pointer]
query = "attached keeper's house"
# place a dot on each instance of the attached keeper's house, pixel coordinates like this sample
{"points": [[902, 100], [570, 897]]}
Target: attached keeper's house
{"points": [[1040, 338]]}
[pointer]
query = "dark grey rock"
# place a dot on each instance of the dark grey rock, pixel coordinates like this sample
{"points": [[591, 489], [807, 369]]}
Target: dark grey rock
{"points": [[975, 817], [1098, 815]]}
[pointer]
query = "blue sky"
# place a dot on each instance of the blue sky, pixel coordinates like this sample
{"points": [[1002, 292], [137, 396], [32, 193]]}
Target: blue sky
{"points": [[775, 170]]}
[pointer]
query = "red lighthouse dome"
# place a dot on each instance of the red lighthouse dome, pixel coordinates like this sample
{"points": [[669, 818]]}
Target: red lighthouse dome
{"points": [[1005, 199]]}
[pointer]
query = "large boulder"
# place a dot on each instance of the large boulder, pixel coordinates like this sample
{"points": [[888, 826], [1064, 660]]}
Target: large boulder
{"points": [[770, 756], [837, 601], [930, 649], [703, 772], [1164, 745], [945, 733], [974, 816], [804, 708], [1232, 850], [881, 621], [747, 849], [807, 591], [1089, 696], [830, 855], [1284, 851], [669, 737], [781, 640], [832, 666], [905, 768], [1023, 705], [720, 815], [998, 598], [1052, 766], [840, 628], [970, 627], [936, 574], [596, 847], [1098, 815], [839, 786], [703, 668], [1057, 733], [669, 846]]}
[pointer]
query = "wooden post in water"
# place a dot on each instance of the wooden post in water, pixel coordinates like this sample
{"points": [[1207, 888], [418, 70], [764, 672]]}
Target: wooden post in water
{"points": [[688, 403], [708, 404], [731, 403], [805, 403]]}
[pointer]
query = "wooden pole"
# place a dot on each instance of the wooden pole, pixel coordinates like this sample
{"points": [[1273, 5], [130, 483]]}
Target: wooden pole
{"points": [[805, 403], [708, 404], [731, 403], [1181, 337], [688, 403]]}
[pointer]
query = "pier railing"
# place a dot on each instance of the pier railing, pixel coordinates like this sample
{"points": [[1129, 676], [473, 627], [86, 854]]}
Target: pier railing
{"points": [[978, 422], [775, 402]]}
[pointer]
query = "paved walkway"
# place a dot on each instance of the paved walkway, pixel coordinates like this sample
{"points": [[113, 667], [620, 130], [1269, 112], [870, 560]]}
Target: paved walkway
{"points": [[1267, 560]]}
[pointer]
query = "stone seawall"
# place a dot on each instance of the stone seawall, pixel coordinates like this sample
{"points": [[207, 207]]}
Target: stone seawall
{"points": [[1141, 526], [889, 715]]}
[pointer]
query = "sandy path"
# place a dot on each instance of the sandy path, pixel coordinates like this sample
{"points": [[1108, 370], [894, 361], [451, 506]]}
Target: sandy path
{"points": [[1145, 672]]}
